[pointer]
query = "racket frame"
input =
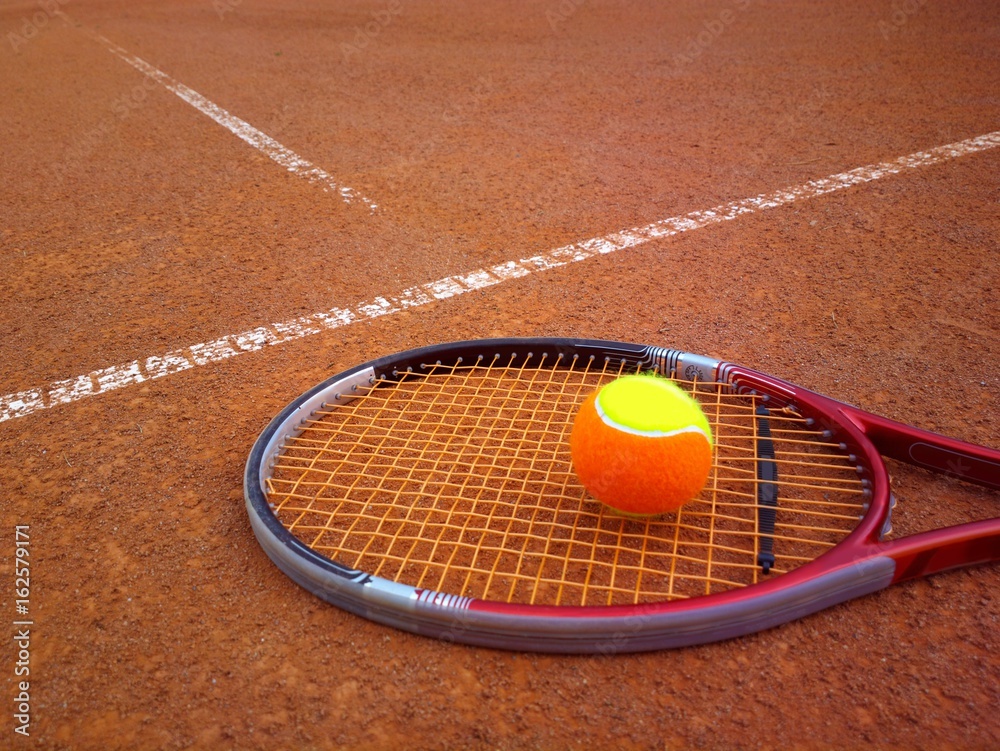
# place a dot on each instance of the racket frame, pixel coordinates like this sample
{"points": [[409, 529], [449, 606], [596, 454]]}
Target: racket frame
{"points": [[860, 564]]}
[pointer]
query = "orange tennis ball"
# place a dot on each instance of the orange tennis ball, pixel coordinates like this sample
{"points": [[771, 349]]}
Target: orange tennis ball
{"points": [[641, 445]]}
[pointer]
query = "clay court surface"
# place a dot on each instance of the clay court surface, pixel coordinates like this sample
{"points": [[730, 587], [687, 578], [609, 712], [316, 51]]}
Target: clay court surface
{"points": [[437, 140]]}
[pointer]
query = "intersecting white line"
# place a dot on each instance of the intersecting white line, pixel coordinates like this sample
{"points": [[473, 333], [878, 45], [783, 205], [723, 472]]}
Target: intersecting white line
{"points": [[158, 366]]}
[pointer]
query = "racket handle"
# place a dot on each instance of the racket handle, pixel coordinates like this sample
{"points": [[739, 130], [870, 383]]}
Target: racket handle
{"points": [[944, 549]]}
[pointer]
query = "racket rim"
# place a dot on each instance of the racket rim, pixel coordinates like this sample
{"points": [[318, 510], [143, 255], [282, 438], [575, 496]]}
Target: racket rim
{"points": [[860, 562]]}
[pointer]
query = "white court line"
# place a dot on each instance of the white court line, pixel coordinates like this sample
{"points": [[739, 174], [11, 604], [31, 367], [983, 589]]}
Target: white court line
{"points": [[157, 366], [256, 138]]}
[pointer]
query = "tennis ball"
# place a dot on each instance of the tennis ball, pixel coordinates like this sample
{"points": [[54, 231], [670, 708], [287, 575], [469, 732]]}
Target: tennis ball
{"points": [[641, 445]]}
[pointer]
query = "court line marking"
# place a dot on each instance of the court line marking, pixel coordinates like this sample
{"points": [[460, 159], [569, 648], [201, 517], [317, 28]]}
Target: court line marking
{"points": [[116, 377], [240, 128]]}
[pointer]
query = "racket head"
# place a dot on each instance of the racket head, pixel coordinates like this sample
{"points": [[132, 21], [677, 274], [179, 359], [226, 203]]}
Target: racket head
{"points": [[826, 559]]}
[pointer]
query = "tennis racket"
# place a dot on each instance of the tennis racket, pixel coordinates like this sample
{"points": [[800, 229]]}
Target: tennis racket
{"points": [[432, 490]]}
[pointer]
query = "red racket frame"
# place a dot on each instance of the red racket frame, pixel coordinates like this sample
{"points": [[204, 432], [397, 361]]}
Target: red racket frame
{"points": [[862, 563]]}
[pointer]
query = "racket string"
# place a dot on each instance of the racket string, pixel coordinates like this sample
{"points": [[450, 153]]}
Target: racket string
{"points": [[458, 479]]}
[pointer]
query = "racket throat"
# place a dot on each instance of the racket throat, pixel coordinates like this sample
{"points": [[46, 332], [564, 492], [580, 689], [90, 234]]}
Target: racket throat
{"points": [[767, 490]]}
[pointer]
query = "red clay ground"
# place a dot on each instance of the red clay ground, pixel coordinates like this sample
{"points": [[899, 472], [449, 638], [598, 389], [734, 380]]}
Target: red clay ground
{"points": [[134, 226]]}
